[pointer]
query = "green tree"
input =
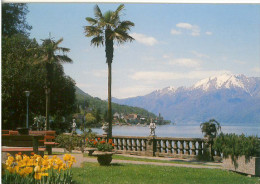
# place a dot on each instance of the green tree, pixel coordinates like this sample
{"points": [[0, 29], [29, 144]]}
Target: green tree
{"points": [[49, 55], [90, 119], [105, 29], [210, 128], [20, 74], [14, 19]]}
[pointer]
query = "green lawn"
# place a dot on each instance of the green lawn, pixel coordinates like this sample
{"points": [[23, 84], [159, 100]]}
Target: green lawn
{"points": [[121, 157], [130, 173]]}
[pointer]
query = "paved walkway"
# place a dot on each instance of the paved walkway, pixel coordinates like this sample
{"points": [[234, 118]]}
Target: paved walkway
{"points": [[80, 159]]}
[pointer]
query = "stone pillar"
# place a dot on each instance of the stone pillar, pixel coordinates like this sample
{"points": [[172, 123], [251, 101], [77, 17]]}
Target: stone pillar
{"points": [[151, 146]]}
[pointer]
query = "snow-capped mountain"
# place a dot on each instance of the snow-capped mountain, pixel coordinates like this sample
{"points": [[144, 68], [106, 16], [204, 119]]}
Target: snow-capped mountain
{"points": [[231, 99]]}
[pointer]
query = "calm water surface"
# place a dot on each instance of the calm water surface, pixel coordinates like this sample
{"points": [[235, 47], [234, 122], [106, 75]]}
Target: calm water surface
{"points": [[177, 131]]}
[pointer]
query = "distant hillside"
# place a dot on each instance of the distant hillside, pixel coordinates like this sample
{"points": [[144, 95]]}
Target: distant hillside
{"points": [[97, 103]]}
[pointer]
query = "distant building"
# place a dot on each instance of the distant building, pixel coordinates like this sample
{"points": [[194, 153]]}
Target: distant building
{"points": [[116, 116], [132, 116]]}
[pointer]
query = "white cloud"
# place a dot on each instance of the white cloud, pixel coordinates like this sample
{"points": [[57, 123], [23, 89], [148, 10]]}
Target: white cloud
{"points": [[239, 62], [175, 32], [186, 62], [256, 69], [199, 55], [146, 40], [184, 25], [208, 33], [99, 73], [161, 76], [132, 91], [193, 29]]}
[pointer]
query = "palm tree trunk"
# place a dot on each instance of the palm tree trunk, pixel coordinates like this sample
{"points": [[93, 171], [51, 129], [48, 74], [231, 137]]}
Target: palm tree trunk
{"points": [[47, 93], [109, 100]]}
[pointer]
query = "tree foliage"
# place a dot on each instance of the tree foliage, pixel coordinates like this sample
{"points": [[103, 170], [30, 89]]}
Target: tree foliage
{"points": [[237, 145], [19, 73], [210, 128], [14, 19]]}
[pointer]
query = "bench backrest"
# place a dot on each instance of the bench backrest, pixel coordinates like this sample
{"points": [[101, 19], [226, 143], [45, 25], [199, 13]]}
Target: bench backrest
{"points": [[5, 132], [49, 135], [20, 141]]}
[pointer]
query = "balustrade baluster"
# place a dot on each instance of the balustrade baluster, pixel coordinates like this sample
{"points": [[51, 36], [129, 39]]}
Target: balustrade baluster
{"points": [[170, 151], [140, 145], [116, 143], [164, 146], [193, 148], [200, 148], [181, 147], [158, 146], [176, 147], [130, 145], [187, 147], [144, 144], [125, 144], [135, 145]]}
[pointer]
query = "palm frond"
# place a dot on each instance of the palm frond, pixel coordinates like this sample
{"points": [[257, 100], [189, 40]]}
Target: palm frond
{"points": [[63, 49], [63, 58], [122, 36], [97, 41], [93, 31], [91, 20], [125, 25], [97, 12], [120, 8]]}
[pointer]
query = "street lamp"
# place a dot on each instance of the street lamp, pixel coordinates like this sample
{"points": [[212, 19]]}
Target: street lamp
{"points": [[27, 93]]}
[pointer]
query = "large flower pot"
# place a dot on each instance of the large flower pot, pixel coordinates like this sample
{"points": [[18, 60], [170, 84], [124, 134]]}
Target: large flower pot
{"points": [[103, 158], [249, 166], [90, 150]]}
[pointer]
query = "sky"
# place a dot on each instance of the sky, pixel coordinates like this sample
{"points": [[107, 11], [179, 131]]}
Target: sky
{"points": [[175, 44]]}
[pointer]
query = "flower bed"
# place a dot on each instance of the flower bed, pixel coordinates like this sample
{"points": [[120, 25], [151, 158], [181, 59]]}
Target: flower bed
{"points": [[35, 169]]}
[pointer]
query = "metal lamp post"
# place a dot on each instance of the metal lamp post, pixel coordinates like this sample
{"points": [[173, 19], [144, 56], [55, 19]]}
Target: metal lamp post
{"points": [[27, 93]]}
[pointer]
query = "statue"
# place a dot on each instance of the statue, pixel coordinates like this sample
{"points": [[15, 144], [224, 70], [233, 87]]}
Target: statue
{"points": [[152, 127], [105, 127], [74, 125]]}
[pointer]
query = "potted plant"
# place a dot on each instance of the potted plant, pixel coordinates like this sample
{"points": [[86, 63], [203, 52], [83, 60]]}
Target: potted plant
{"points": [[240, 153], [91, 146], [104, 153]]}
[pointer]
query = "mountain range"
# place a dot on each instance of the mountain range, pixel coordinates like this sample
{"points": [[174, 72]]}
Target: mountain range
{"points": [[230, 99]]}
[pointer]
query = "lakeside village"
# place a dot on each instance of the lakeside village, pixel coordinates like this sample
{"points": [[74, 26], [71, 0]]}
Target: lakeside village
{"points": [[136, 119], [119, 119]]}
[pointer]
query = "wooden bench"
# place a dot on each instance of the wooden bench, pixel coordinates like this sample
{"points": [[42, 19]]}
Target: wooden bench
{"points": [[48, 140], [29, 143]]}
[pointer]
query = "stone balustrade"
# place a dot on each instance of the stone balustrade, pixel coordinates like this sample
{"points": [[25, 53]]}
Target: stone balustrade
{"points": [[159, 146]]}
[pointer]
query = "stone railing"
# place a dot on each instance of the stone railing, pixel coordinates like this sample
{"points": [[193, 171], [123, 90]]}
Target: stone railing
{"points": [[159, 146]]}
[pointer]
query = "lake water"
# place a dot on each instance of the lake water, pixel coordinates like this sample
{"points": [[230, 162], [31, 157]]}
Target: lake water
{"points": [[177, 131]]}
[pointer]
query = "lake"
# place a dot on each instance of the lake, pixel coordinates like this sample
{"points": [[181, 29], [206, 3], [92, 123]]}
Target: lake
{"points": [[176, 130]]}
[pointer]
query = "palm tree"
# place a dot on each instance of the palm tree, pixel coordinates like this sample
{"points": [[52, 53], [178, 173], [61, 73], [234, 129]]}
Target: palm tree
{"points": [[210, 128], [107, 28], [49, 55]]}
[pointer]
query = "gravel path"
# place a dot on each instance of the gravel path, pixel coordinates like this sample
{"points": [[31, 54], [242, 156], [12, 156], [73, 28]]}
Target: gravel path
{"points": [[80, 159]]}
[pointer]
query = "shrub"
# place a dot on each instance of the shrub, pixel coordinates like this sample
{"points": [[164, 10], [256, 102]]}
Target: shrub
{"points": [[35, 169], [237, 145], [69, 142]]}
